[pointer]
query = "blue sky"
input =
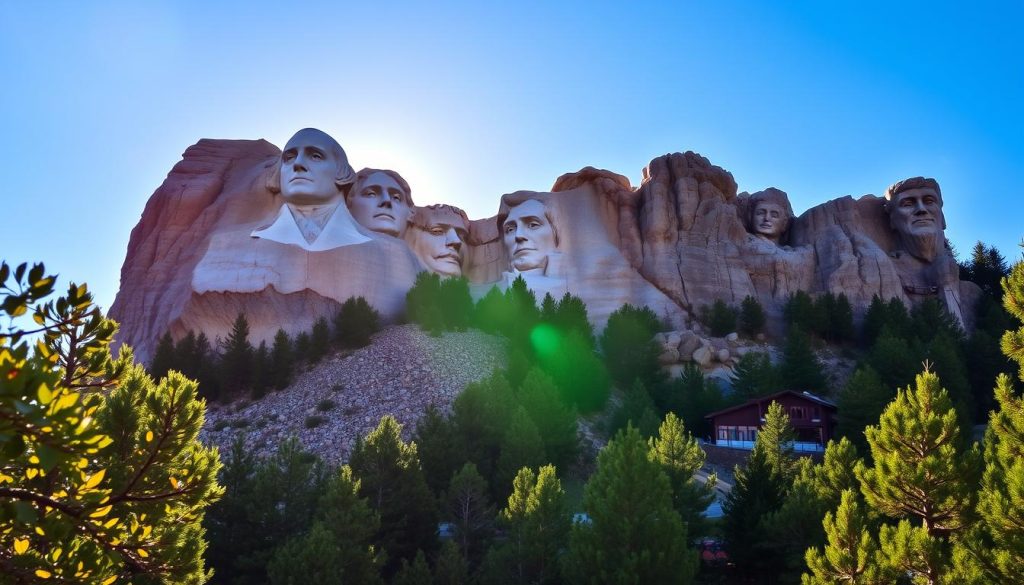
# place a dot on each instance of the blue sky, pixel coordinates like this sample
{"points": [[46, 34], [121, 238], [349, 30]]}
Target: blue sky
{"points": [[472, 100]]}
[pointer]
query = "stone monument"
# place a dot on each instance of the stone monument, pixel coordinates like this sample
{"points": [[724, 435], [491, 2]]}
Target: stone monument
{"points": [[242, 227]]}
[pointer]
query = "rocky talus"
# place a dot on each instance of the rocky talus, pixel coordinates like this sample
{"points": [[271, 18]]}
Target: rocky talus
{"points": [[329, 404]]}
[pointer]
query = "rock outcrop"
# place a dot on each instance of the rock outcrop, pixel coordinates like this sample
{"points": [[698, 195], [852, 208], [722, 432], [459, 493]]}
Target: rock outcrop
{"points": [[681, 240]]}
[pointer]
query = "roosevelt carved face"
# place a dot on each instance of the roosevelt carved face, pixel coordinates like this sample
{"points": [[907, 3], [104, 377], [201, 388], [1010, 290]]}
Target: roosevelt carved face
{"points": [[770, 220], [379, 203], [438, 238], [312, 164], [529, 236]]}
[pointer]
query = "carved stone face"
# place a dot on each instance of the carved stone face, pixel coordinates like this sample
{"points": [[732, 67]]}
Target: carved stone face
{"points": [[381, 205], [916, 212], [770, 219], [529, 236], [310, 165], [437, 240]]}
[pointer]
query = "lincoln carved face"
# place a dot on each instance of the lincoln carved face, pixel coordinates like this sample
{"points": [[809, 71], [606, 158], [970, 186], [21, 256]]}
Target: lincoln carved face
{"points": [[380, 201], [529, 236], [437, 237], [313, 169]]}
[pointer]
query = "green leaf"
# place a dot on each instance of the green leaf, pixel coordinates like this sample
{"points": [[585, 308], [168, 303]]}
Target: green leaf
{"points": [[48, 456]]}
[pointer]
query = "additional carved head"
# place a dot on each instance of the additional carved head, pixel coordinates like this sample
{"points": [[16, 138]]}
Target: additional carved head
{"points": [[381, 201], [438, 235], [313, 169], [529, 231], [915, 212], [770, 214]]}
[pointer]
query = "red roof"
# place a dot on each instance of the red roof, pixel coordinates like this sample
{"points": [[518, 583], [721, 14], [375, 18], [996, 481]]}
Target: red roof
{"points": [[754, 401]]}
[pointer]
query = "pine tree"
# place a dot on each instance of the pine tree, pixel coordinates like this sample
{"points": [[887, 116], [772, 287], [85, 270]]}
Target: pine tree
{"points": [[102, 475], [319, 340], [308, 559], [637, 409], [578, 372], [261, 368], [692, 396], [424, 294], [441, 453], [800, 368], [417, 573], [860, 403], [1012, 342], [481, 417], [281, 361], [754, 376], [775, 439], [469, 509], [757, 492], [548, 309], [338, 547], [268, 502], [355, 323], [451, 567], [303, 346], [236, 359], [163, 358], [919, 472], [634, 535], [456, 304], [721, 319], [799, 312], [751, 318], [680, 457], [630, 351], [817, 489], [555, 422], [393, 483], [851, 554], [520, 447], [995, 548], [537, 522], [841, 320], [571, 316]]}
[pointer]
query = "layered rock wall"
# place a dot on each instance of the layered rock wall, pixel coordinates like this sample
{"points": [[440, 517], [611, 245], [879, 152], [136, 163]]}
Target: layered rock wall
{"points": [[682, 240]]}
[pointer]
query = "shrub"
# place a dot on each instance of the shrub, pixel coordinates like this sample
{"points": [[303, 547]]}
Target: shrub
{"points": [[315, 420]]}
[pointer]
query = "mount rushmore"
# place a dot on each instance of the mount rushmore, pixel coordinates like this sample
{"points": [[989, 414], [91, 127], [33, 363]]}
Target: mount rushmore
{"points": [[286, 236]]}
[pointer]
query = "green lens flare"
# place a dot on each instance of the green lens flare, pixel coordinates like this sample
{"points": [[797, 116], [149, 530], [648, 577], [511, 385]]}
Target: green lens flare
{"points": [[546, 340]]}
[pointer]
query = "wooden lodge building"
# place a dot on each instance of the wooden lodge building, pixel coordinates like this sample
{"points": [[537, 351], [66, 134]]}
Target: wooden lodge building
{"points": [[813, 418]]}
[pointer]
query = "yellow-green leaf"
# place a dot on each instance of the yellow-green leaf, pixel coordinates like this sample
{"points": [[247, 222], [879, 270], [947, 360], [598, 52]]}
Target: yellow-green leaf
{"points": [[142, 553], [101, 512], [20, 545], [109, 580], [43, 573], [94, 480], [149, 436]]}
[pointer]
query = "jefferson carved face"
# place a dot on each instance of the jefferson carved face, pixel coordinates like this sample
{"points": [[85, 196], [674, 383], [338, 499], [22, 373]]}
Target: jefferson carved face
{"points": [[770, 219], [916, 212], [529, 236], [379, 203], [312, 164], [437, 239]]}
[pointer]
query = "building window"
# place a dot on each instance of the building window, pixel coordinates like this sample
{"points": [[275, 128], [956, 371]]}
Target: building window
{"points": [[797, 412]]}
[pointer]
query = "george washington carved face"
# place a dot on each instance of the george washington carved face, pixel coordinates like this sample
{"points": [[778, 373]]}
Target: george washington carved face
{"points": [[313, 169]]}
